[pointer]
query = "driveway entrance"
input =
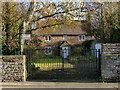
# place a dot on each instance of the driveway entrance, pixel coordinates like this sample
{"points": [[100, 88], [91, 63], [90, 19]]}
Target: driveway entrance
{"points": [[80, 65]]}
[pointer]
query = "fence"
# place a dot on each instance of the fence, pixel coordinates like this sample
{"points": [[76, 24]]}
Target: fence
{"points": [[65, 64]]}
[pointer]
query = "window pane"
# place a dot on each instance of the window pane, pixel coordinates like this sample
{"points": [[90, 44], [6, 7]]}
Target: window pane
{"points": [[80, 37], [83, 37], [47, 38], [48, 50]]}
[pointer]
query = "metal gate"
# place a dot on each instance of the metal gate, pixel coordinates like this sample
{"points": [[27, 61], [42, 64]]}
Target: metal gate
{"points": [[50, 64]]}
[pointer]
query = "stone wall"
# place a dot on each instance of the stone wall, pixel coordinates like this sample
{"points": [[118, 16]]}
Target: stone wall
{"points": [[13, 68], [110, 62]]}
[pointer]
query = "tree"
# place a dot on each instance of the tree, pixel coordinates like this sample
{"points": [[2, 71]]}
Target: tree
{"points": [[11, 22], [104, 19], [27, 14]]}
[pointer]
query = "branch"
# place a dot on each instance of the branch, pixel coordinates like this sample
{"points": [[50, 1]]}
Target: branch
{"points": [[30, 10], [29, 31], [71, 14], [52, 25], [20, 28], [12, 24], [66, 11], [17, 34]]}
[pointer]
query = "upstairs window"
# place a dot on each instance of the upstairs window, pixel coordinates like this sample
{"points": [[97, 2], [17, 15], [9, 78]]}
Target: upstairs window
{"points": [[48, 50], [81, 38], [47, 38]]}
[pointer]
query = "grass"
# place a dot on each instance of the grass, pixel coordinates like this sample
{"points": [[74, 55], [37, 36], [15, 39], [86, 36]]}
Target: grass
{"points": [[51, 63], [47, 60], [75, 59], [52, 66]]}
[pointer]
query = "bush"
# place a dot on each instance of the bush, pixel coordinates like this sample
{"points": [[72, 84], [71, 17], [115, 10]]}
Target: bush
{"points": [[87, 44]]}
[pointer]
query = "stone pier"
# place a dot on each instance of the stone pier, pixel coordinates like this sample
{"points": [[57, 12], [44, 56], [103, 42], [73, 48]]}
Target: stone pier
{"points": [[110, 62], [13, 68]]}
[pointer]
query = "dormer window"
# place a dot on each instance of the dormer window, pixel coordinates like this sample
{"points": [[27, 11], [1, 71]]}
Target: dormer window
{"points": [[47, 38], [81, 38]]}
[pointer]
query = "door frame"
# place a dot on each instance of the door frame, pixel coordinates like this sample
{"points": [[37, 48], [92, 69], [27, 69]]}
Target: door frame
{"points": [[65, 51]]}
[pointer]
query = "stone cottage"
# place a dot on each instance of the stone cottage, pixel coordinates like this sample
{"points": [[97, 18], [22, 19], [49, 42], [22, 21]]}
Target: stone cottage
{"points": [[62, 37]]}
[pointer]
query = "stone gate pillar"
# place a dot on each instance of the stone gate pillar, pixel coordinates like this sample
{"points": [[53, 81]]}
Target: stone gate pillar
{"points": [[13, 68], [110, 62]]}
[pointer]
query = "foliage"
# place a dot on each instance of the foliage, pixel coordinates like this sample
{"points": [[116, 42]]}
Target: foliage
{"points": [[114, 35], [103, 20], [46, 59], [18, 18], [11, 25], [75, 50], [79, 59], [83, 49], [87, 44]]}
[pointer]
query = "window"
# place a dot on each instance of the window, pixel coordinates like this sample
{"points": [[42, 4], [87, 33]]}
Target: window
{"points": [[48, 50], [64, 37], [82, 38], [47, 38]]}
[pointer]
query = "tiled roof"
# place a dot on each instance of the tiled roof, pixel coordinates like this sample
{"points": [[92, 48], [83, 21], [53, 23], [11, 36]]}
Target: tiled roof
{"points": [[65, 43], [68, 29]]}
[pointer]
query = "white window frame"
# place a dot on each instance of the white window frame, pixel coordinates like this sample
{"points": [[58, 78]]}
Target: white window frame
{"points": [[47, 36], [82, 37], [49, 48], [64, 37]]}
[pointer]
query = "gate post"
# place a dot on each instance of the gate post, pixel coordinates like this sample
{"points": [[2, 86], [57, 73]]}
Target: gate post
{"points": [[62, 64], [29, 71], [99, 62]]}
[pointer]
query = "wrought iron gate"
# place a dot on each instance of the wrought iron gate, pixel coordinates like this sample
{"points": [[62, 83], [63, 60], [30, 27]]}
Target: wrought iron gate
{"points": [[51, 65]]}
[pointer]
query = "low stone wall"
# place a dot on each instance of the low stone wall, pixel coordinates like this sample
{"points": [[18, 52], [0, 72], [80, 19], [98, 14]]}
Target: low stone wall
{"points": [[110, 62], [13, 68]]}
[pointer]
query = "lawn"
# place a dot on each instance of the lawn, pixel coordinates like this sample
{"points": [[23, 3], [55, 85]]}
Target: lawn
{"points": [[52, 66], [50, 63], [47, 60]]}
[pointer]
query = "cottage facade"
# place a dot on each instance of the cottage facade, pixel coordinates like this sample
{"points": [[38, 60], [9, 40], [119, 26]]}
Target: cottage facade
{"points": [[63, 37]]}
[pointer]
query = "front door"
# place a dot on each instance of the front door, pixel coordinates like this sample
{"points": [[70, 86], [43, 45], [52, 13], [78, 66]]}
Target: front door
{"points": [[65, 52]]}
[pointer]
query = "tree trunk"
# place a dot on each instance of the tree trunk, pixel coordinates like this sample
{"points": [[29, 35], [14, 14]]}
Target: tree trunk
{"points": [[7, 28]]}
